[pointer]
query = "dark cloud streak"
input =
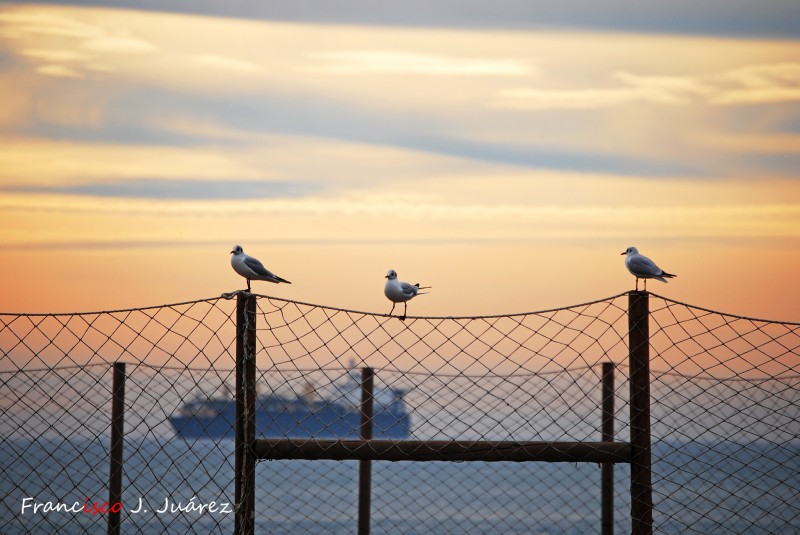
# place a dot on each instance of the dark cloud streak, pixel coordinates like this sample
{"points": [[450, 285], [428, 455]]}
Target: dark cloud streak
{"points": [[744, 18], [173, 189]]}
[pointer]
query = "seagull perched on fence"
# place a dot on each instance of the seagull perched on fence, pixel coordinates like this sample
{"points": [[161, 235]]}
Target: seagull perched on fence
{"points": [[250, 268], [642, 267], [400, 292]]}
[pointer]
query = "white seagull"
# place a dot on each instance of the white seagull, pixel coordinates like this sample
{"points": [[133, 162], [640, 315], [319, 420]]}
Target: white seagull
{"points": [[642, 267], [400, 292], [250, 268]]}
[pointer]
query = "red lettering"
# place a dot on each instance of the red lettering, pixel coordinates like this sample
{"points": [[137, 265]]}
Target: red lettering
{"points": [[116, 507]]}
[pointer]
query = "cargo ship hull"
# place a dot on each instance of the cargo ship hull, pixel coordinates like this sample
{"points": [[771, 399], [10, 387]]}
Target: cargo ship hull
{"points": [[278, 417]]}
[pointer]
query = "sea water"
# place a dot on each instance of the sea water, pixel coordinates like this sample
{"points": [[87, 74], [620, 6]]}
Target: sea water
{"points": [[176, 486]]}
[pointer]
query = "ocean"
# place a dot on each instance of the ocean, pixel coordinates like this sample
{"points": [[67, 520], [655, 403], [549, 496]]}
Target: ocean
{"points": [[174, 486]]}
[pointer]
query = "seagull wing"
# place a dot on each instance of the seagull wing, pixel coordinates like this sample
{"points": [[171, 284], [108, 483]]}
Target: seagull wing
{"points": [[409, 289], [257, 267], [642, 265], [262, 272]]}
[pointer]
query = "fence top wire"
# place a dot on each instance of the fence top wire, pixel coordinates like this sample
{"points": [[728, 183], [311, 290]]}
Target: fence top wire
{"points": [[102, 365], [113, 311], [678, 337], [712, 311], [231, 295], [474, 317]]}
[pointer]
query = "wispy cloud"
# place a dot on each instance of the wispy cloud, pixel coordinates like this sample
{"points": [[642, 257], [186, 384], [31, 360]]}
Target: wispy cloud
{"points": [[59, 71], [331, 218], [227, 63], [119, 45], [751, 84], [401, 62], [42, 163], [177, 189], [68, 45], [136, 95], [54, 55], [759, 84], [688, 17], [43, 22]]}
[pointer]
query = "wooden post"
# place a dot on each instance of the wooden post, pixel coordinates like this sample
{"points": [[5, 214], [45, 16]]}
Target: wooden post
{"points": [[488, 451], [365, 466], [117, 443], [641, 477], [607, 435], [245, 461]]}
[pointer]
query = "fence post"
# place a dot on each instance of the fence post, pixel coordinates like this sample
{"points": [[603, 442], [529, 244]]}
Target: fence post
{"points": [[117, 443], [245, 462], [365, 466], [641, 477], [607, 435]]}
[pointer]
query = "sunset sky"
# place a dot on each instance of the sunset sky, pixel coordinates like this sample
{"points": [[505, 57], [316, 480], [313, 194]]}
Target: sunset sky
{"points": [[501, 152]]}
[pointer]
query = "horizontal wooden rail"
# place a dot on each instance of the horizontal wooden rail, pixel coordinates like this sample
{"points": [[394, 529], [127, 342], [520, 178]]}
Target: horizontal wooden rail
{"points": [[443, 450]]}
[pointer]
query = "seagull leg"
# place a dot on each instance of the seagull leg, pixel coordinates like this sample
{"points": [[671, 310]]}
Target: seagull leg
{"points": [[405, 311], [392, 310], [248, 284]]}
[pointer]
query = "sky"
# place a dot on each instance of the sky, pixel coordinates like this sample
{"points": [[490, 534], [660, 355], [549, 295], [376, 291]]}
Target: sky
{"points": [[501, 152]]}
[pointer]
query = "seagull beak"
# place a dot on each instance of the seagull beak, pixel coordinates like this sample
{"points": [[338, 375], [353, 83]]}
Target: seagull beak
{"points": [[386, 277], [624, 252], [232, 252]]}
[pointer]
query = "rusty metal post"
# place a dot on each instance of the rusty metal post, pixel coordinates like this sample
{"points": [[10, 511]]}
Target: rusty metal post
{"points": [[245, 460], [641, 463], [607, 435], [365, 466], [117, 443]]}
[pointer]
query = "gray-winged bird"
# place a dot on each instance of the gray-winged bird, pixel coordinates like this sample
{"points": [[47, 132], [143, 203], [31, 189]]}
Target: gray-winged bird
{"points": [[251, 269], [642, 267], [400, 292]]}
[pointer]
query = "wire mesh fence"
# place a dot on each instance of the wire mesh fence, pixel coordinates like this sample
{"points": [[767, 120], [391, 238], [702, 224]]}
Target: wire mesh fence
{"points": [[724, 404]]}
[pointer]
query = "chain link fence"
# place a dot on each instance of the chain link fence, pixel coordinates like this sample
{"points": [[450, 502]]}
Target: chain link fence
{"points": [[724, 405]]}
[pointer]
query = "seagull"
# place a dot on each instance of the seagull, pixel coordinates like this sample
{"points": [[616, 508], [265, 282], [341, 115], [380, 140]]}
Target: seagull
{"points": [[642, 267], [250, 268], [400, 292]]}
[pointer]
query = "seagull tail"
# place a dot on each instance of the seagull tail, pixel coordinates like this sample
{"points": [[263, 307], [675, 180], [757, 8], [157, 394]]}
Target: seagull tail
{"points": [[423, 287], [279, 280], [668, 275]]}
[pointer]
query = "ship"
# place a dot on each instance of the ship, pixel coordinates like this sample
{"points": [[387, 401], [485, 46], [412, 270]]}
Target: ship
{"points": [[308, 415]]}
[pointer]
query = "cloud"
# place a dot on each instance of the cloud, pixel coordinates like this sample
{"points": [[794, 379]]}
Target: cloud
{"points": [[365, 218], [752, 84], [400, 62], [177, 189], [630, 89], [602, 103], [45, 23], [759, 84], [711, 17], [53, 55], [664, 89], [59, 71], [68, 44], [119, 45], [227, 63], [44, 163]]}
